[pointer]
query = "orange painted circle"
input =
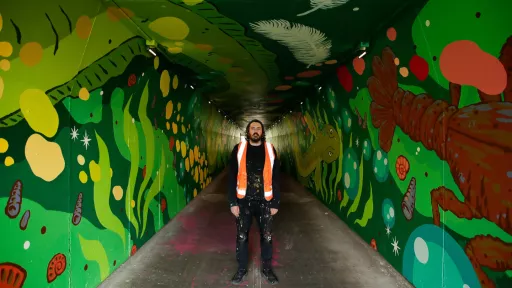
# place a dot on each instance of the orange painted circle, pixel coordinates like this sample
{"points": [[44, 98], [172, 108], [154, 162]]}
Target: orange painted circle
{"points": [[31, 53], [83, 27]]}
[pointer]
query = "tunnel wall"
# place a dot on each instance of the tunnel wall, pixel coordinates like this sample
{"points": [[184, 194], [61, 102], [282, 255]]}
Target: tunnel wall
{"points": [[386, 181], [101, 144]]}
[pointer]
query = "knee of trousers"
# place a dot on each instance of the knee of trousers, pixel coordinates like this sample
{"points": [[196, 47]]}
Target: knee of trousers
{"points": [[242, 237], [266, 237]]}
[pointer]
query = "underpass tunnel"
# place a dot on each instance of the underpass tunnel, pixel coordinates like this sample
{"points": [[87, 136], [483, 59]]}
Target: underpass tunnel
{"points": [[391, 121]]}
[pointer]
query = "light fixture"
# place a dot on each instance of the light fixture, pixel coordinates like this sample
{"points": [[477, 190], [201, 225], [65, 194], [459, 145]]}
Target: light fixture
{"points": [[301, 103], [209, 101], [192, 87], [361, 56], [151, 51]]}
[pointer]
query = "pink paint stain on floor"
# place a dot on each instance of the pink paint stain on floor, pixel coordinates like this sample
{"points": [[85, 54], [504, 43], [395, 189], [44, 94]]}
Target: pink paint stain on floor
{"points": [[202, 232]]}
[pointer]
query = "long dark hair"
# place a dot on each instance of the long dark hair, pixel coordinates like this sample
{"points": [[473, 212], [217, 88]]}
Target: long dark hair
{"points": [[248, 136]]}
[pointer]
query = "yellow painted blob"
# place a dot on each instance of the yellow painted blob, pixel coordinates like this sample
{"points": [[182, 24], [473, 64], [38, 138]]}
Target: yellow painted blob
{"points": [[9, 161], [39, 112], [5, 49], [156, 62], [178, 32], [4, 145], [83, 94], [82, 176], [175, 82], [44, 157], [165, 80], [80, 159], [118, 192], [183, 149], [168, 109]]}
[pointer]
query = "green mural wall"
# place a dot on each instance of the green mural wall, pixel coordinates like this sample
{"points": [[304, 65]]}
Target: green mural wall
{"points": [[101, 144], [410, 145]]}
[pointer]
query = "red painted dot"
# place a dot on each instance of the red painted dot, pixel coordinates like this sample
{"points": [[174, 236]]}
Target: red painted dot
{"points": [[419, 67], [163, 204], [391, 33], [345, 78], [43, 230], [171, 143]]}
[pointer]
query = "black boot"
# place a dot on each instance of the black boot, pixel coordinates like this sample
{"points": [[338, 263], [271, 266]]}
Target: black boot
{"points": [[269, 275], [239, 276]]}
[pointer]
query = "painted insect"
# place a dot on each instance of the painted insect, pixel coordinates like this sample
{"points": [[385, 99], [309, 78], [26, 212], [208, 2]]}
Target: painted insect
{"points": [[475, 141]]}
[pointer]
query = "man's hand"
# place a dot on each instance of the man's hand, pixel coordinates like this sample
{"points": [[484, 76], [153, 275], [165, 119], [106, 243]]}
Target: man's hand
{"points": [[273, 211], [235, 210]]}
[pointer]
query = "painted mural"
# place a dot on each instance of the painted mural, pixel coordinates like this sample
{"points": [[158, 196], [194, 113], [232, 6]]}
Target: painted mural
{"points": [[411, 145], [101, 143]]}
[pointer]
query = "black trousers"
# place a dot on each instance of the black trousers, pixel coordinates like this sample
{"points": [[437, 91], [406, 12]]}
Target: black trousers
{"points": [[261, 211]]}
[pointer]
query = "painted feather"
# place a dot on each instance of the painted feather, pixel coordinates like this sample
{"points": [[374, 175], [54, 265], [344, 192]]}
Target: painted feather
{"points": [[324, 5], [307, 44]]}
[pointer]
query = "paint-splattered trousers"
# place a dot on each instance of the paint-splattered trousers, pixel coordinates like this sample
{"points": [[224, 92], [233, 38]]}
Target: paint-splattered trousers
{"points": [[261, 211]]}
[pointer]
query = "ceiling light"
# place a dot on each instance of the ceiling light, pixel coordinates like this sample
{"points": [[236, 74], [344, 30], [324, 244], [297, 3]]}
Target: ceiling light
{"points": [[301, 103], [191, 86], [152, 52], [361, 56], [210, 102]]}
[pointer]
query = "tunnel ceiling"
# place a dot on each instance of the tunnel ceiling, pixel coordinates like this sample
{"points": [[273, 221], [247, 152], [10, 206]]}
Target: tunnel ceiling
{"points": [[259, 58]]}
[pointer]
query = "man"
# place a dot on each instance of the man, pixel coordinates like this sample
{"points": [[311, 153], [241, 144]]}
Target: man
{"points": [[254, 191]]}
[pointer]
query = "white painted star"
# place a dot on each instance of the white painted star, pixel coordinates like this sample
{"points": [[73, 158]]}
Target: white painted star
{"points": [[388, 230], [74, 133], [395, 246], [86, 140]]}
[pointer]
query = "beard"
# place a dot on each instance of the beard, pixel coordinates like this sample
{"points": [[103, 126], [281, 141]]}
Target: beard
{"points": [[255, 137]]}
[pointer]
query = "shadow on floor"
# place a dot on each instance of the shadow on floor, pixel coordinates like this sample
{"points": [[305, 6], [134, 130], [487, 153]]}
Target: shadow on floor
{"points": [[312, 248]]}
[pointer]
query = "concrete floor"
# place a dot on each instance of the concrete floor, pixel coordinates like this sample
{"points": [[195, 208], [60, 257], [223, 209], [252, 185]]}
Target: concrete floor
{"points": [[312, 248]]}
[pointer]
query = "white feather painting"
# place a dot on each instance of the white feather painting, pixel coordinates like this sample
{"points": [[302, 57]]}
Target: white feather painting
{"points": [[324, 5], [307, 44]]}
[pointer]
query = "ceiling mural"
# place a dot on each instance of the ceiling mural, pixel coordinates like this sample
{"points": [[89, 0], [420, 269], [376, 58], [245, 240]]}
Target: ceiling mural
{"points": [[258, 58]]}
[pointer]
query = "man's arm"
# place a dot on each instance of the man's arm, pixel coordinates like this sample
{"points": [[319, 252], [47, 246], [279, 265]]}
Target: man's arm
{"points": [[276, 183], [232, 178]]}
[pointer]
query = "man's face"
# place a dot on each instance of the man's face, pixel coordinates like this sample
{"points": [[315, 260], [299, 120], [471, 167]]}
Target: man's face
{"points": [[255, 131]]}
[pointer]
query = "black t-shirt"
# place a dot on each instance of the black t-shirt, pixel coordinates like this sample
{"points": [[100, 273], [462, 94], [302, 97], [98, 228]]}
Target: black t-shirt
{"points": [[255, 158]]}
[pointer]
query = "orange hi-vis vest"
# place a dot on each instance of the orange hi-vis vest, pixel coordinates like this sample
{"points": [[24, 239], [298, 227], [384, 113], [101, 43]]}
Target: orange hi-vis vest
{"points": [[241, 183]]}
